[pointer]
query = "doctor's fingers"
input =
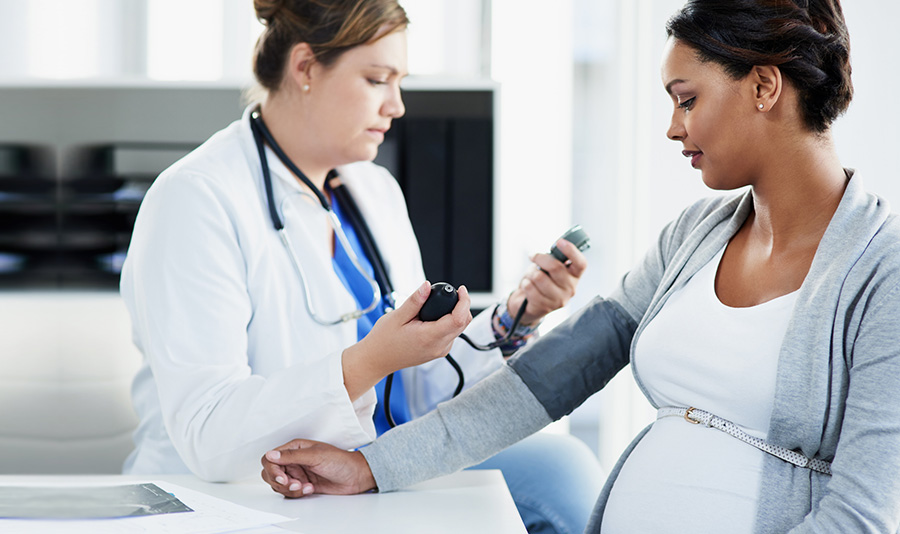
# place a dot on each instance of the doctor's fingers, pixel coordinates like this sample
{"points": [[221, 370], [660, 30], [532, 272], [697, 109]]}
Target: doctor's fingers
{"points": [[437, 337], [461, 315], [409, 309], [575, 265], [538, 305], [543, 296]]}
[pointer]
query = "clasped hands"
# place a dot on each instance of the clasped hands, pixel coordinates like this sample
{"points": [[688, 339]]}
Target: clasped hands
{"points": [[302, 467]]}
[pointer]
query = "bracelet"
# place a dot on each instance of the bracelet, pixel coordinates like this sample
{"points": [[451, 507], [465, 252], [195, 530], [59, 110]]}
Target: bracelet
{"points": [[501, 321]]}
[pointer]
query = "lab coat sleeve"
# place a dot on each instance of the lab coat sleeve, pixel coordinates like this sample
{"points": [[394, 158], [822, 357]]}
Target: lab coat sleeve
{"points": [[185, 286]]}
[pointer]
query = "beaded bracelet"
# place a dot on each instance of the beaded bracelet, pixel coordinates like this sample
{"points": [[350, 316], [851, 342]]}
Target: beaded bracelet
{"points": [[501, 322]]}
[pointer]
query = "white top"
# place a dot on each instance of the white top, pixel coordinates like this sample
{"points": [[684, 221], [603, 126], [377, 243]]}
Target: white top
{"points": [[698, 352], [233, 363]]}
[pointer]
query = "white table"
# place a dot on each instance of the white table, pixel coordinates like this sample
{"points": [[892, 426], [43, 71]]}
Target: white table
{"points": [[469, 501]]}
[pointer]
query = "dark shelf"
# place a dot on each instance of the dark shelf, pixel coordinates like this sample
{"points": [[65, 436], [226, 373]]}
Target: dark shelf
{"points": [[67, 210]]}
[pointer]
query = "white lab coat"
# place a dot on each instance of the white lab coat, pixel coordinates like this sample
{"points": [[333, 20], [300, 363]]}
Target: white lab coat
{"points": [[233, 363]]}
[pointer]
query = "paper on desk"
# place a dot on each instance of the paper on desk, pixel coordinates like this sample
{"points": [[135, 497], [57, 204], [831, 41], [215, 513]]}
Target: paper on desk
{"points": [[88, 502], [210, 515]]}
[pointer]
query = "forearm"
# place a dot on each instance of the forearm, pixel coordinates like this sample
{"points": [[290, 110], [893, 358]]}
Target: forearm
{"points": [[219, 433], [482, 421], [361, 373]]}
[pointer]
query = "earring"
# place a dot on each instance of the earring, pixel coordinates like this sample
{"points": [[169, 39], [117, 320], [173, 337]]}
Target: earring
{"points": [[760, 106], [306, 89]]}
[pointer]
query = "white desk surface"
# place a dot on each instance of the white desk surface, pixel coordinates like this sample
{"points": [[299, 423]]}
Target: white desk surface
{"points": [[469, 501]]}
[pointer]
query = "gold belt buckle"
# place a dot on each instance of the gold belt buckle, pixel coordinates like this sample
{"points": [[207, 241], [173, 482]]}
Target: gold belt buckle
{"points": [[687, 416]]}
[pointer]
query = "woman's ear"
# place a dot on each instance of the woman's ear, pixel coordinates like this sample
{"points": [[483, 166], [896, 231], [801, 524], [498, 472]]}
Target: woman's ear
{"points": [[299, 66], [767, 86]]}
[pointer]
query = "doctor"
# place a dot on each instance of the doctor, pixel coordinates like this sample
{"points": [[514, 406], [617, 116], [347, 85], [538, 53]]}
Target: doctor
{"points": [[248, 253]]}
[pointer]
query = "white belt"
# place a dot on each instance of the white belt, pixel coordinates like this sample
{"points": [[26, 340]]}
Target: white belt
{"points": [[695, 416]]}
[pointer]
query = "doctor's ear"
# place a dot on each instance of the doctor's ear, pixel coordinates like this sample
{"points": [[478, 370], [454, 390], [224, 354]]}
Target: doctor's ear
{"points": [[299, 66]]}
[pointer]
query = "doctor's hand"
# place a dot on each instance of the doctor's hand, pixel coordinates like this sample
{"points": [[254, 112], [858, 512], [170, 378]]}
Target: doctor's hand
{"points": [[302, 467], [399, 339], [549, 285]]}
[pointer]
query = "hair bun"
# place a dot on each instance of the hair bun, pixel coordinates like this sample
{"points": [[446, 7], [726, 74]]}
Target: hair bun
{"points": [[267, 10], [806, 39], [329, 27]]}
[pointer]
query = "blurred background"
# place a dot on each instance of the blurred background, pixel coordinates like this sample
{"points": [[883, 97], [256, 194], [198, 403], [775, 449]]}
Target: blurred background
{"points": [[530, 115]]}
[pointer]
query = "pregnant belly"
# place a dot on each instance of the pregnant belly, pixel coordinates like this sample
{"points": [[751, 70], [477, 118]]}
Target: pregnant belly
{"points": [[685, 478]]}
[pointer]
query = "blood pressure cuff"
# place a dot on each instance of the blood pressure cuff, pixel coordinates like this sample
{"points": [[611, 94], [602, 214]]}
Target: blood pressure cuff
{"points": [[577, 358]]}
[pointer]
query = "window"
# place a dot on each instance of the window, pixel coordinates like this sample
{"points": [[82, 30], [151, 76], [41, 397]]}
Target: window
{"points": [[203, 40]]}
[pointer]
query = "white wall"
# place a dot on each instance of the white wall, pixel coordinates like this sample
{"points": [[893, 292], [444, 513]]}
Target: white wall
{"points": [[531, 49], [868, 137], [66, 364]]}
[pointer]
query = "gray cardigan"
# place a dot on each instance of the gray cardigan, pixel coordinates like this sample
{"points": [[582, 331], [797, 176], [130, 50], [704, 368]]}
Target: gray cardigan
{"points": [[837, 392]]}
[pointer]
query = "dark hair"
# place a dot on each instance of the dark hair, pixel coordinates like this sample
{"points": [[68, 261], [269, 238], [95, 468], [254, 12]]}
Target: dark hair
{"points": [[806, 39], [330, 27]]}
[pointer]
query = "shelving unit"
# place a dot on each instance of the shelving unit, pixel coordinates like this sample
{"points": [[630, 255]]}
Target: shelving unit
{"points": [[76, 160]]}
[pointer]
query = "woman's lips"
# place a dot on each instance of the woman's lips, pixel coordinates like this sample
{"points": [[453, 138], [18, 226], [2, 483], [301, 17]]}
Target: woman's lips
{"points": [[694, 155]]}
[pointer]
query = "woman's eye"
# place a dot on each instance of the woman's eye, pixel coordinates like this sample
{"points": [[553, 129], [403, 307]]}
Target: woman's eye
{"points": [[687, 104], [376, 82]]}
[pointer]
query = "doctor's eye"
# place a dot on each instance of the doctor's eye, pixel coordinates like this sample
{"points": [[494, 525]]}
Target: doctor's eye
{"points": [[687, 104]]}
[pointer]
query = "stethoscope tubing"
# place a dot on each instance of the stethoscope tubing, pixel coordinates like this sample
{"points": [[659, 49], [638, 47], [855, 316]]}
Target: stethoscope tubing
{"points": [[262, 136], [261, 133]]}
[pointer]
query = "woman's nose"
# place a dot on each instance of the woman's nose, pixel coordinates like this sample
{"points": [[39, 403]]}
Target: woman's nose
{"points": [[676, 129], [394, 107]]}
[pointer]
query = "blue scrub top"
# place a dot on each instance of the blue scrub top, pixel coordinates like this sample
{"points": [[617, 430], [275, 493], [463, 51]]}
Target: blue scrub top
{"points": [[362, 293]]}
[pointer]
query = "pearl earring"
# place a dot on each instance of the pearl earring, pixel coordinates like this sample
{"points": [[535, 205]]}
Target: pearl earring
{"points": [[306, 89], [760, 106]]}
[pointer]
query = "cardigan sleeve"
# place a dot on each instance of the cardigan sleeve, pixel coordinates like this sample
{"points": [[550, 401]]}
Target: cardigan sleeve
{"points": [[492, 415], [863, 494]]}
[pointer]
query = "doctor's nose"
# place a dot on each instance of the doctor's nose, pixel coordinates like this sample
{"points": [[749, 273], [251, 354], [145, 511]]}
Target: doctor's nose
{"points": [[393, 107]]}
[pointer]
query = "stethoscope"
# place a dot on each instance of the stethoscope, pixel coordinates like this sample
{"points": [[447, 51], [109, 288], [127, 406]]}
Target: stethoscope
{"points": [[380, 283]]}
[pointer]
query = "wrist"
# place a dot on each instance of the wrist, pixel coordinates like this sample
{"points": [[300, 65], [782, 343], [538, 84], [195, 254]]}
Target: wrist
{"points": [[511, 306], [504, 319], [366, 481], [502, 322], [360, 371]]}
